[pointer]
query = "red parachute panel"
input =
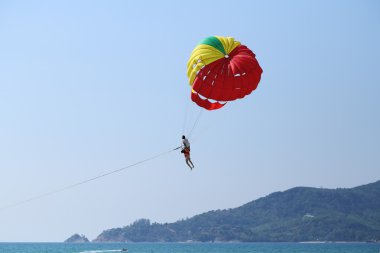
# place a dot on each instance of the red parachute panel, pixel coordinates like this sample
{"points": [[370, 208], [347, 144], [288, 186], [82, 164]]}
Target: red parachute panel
{"points": [[227, 79]]}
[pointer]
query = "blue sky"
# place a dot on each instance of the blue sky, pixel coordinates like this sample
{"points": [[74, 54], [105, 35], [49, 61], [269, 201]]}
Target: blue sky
{"points": [[87, 87]]}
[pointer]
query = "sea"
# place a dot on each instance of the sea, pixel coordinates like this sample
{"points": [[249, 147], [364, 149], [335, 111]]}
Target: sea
{"points": [[190, 247]]}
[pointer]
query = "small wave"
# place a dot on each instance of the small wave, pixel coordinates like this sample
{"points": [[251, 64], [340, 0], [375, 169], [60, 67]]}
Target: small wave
{"points": [[100, 251]]}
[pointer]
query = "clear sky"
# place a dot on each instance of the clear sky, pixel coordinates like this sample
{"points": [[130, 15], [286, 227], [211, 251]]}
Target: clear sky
{"points": [[87, 87]]}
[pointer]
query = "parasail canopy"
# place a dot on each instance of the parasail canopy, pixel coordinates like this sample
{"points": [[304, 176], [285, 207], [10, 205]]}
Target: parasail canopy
{"points": [[220, 69]]}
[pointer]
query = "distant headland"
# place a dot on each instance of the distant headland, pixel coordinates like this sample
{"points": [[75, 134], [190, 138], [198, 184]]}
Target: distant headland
{"points": [[300, 214], [76, 238]]}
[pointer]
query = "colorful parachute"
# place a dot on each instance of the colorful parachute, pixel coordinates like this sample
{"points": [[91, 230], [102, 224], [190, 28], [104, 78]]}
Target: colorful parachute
{"points": [[220, 69]]}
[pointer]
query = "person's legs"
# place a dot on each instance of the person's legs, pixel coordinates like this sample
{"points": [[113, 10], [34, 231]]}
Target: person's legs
{"points": [[191, 162], [187, 162]]}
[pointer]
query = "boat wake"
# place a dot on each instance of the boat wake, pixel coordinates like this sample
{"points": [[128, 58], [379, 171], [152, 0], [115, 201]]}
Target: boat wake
{"points": [[100, 251]]}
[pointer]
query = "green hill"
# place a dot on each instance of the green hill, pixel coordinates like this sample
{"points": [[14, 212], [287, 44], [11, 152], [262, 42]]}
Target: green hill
{"points": [[298, 214]]}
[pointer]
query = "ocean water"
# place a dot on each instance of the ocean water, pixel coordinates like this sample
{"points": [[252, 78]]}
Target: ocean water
{"points": [[190, 247]]}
